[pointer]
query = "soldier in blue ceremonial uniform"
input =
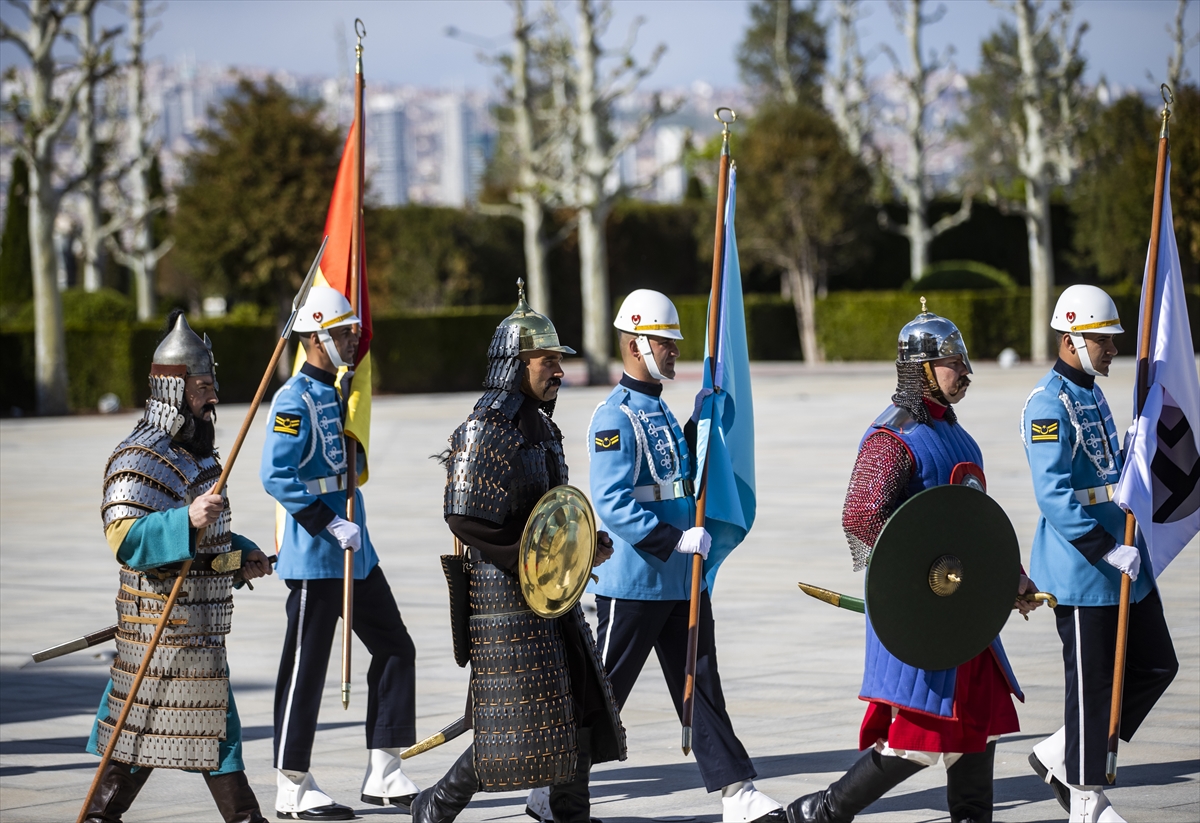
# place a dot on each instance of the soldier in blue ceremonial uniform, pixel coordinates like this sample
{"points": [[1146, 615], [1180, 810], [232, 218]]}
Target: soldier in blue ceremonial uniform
{"points": [[1079, 553], [642, 483], [304, 469]]}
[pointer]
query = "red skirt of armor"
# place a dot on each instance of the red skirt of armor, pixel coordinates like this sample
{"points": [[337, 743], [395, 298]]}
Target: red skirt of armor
{"points": [[983, 707]]}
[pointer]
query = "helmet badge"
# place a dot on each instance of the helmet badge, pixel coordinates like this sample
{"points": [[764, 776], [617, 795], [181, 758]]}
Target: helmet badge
{"points": [[317, 316], [637, 318], [1070, 317]]}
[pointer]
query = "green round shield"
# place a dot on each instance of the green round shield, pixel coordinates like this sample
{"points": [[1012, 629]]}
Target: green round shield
{"points": [[943, 577]]}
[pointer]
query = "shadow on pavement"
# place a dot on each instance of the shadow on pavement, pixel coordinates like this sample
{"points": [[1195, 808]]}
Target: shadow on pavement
{"points": [[31, 694]]}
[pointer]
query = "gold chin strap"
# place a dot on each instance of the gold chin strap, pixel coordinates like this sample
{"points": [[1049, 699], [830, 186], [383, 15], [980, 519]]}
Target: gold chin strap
{"points": [[931, 384]]}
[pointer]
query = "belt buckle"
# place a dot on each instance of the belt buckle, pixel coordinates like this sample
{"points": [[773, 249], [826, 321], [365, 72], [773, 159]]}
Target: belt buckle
{"points": [[658, 493], [321, 485]]}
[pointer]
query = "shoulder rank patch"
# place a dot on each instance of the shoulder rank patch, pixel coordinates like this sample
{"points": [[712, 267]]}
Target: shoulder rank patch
{"points": [[608, 440], [287, 424], [1043, 431]]}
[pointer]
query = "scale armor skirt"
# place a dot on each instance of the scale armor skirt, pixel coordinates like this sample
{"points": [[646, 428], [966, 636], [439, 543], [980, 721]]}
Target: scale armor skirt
{"points": [[178, 716], [523, 713]]}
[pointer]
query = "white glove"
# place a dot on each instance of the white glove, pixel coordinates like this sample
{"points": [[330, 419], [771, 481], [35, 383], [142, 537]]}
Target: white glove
{"points": [[347, 534], [696, 540], [1126, 559]]}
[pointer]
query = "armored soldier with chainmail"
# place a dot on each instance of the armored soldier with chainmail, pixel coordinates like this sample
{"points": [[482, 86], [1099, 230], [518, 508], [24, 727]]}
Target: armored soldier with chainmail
{"points": [[916, 717], [158, 512], [541, 707]]}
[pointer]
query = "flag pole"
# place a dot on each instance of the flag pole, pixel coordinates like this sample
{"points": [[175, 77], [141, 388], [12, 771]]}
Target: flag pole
{"points": [[355, 301], [1145, 335], [714, 317]]}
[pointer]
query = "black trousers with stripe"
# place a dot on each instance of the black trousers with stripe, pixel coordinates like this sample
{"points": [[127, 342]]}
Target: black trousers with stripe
{"points": [[1089, 638], [313, 609], [629, 629]]}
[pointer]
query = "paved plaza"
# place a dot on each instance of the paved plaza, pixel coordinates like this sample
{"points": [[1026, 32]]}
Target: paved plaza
{"points": [[791, 666]]}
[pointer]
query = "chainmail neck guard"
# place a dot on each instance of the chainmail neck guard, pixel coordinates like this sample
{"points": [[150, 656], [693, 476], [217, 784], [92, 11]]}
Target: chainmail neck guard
{"points": [[506, 370], [915, 382]]}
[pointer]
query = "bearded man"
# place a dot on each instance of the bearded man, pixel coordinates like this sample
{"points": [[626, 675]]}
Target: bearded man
{"points": [[916, 717], [158, 511], [541, 707]]}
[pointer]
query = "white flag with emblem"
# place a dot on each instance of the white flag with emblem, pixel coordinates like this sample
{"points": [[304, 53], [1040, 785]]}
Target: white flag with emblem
{"points": [[1160, 482]]}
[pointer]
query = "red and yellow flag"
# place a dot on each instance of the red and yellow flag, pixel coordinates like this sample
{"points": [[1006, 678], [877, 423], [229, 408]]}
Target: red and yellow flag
{"points": [[336, 273]]}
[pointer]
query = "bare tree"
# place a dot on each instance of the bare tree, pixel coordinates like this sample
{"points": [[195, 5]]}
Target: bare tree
{"points": [[599, 152], [848, 90], [1177, 72], [923, 85], [535, 138], [1045, 135], [93, 151], [136, 207], [50, 102]]}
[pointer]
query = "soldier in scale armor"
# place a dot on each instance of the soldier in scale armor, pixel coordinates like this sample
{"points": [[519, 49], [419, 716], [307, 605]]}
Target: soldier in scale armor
{"points": [[541, 707], [158, 512], [917, 717]]}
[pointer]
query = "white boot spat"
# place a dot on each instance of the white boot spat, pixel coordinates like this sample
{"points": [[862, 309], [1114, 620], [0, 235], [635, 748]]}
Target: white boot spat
{"points": [[742, 803]]}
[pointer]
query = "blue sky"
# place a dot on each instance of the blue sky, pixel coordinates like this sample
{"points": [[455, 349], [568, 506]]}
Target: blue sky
{"points": [[406, 40], [407, 43]]}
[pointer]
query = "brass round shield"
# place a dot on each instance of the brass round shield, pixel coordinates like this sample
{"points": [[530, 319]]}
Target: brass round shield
{"points": [[558, 549], [943, 576]]}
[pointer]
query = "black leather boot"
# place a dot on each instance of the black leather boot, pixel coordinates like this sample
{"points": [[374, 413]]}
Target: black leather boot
{"points": [[969, 787], [572, 802], [442, 802], [234, 797], [119, 785], [869, 779]]}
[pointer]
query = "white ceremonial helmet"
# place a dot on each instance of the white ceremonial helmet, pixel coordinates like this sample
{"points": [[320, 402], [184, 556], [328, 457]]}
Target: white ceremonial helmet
{"points": [[647, 312], [1083, 308], [326, 309]]}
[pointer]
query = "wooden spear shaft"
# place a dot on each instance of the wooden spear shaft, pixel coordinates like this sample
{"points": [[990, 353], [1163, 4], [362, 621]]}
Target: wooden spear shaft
{"points": [[714, 316], [1145, 335], [217, 488], [351, 443]]}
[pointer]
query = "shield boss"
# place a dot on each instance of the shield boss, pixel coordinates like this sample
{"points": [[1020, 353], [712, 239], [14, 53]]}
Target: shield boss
{"points": [[558, 548], [943, 576]]}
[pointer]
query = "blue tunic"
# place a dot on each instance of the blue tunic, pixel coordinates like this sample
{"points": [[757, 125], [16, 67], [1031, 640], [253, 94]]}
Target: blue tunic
{"points": [[936, 448], [305, 443], [634, 440], [1071, 443]]}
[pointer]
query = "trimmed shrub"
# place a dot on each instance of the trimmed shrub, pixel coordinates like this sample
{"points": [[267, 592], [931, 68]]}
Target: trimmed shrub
{"points": [[960, 275], [441, 352]]}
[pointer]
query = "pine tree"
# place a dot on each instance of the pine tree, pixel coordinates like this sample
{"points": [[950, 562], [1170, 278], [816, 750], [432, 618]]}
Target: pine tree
{"points": [[16, 264]]}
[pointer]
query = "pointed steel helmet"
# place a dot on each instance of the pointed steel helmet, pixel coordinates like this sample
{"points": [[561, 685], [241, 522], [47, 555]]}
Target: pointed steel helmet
{"points": [[928, 337], [183, 347], [536, 332]]}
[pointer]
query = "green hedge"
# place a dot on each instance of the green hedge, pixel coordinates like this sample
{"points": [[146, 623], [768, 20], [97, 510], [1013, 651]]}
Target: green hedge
{"points": [[864, 325], [446, 351]]}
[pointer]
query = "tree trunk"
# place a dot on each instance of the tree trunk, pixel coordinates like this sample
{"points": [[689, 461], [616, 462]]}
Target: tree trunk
{"points": [[917, 232], [1033, 163], [139, 184], [533, 218], [593, 275], [1041, 267], [49, 339], [90, 213], [532, 214], [804, 300], [593, 205]]}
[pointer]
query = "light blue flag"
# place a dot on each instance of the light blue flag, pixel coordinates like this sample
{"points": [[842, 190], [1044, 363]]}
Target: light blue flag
{"points": [[725, 415]]}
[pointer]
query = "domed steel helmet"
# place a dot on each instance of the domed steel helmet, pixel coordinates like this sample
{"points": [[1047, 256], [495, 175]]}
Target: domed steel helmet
{"points": [[929, 337], [181, 354], [524, 330]]}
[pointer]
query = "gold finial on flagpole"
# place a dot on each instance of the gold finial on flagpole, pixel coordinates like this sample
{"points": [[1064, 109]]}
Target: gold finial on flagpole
{"points": [[725, 124], [360, 29], [1168, 99]]}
